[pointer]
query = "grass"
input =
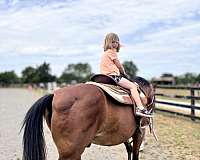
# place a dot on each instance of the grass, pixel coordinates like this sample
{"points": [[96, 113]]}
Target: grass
{"points": [[179, 138]]}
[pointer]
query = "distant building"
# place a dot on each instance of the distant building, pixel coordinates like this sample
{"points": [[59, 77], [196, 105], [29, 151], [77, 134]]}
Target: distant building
{"points": [[165, 79]]}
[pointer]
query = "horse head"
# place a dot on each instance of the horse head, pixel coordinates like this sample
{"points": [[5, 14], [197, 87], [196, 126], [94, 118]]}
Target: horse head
{"points": [[148, 90]]}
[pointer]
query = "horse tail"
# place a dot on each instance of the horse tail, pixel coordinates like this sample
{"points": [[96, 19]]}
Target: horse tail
{"points": [[34, 147]]}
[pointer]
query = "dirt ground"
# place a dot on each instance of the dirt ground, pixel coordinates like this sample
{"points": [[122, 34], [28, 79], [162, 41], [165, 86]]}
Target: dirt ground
{"points": [[179, 138]]}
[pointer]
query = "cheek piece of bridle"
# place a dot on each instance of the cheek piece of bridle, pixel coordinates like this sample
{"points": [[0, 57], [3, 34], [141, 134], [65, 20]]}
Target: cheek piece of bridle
{"points": [[150, 107], [151, 104], [151, 124]]}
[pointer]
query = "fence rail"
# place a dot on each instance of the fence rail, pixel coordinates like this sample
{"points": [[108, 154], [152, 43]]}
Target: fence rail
{"points": [[191, 97]]}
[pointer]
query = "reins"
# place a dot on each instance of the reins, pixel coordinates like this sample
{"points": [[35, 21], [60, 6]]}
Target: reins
{"points": [[150, 107]]}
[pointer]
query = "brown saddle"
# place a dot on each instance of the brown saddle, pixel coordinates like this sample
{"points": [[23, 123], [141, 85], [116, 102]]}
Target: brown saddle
{"points": [[108, 84], [102, 78]]}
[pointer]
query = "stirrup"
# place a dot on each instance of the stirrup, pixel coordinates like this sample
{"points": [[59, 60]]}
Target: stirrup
{"points": [[143, 113]]}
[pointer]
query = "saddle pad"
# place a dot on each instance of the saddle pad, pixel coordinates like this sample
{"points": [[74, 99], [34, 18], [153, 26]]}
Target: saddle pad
{"points": [[114, 91]]}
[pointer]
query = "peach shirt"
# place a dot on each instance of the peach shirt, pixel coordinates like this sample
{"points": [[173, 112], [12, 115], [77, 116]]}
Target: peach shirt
{"points": [[107, 65]]}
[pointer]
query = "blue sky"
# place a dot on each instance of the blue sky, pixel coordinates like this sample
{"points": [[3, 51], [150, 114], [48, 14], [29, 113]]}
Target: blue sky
{"points": [[158, 36]]}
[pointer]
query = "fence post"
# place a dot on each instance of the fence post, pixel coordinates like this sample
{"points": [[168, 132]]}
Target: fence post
{"points": [[154, 90], [192, 104]]}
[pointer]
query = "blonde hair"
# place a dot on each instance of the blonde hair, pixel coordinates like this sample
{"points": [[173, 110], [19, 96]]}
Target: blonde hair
{"points": [[110, 37]]}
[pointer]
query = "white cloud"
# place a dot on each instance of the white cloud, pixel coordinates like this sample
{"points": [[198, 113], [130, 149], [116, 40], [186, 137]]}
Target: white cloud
{"points": [[77, 28]]}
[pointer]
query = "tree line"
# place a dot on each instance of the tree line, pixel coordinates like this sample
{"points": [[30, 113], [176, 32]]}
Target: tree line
{"points": [[73, 73], [188, 78]]}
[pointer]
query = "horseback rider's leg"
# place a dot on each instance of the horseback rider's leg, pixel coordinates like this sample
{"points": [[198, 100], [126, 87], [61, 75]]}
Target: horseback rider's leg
{"points": [[140, 110]]}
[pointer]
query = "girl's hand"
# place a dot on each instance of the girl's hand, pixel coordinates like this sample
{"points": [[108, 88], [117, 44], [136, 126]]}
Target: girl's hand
{"points": [[125, 75]]}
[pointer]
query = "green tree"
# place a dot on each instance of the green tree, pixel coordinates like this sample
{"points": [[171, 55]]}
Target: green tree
{"points": [[198, 78], [67, 77], [29, 75], [178, 80], [79, 72], [43, 73], [187, 78], [130, 68], [36, 75], [190, 78], [8, 77]]}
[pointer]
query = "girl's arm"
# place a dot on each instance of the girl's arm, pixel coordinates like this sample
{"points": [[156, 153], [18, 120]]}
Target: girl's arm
{"points": [[119, 66]]}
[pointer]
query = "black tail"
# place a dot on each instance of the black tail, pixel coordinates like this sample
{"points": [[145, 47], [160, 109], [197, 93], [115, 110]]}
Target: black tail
{"points": [[34, 147]]}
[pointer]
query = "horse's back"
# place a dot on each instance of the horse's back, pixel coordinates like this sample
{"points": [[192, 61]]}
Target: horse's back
{"points": [[67, 96]]}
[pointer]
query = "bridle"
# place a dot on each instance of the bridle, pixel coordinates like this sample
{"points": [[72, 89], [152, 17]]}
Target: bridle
{"points": [[152, 101], [143, 95]]}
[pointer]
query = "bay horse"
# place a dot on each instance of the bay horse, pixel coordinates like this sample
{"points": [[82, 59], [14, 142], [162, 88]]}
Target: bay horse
{"points": [[79, 115]]}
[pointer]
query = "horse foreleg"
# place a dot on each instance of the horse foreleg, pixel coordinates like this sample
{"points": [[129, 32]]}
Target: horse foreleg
{"points": [[143, 141], [137, 140]]}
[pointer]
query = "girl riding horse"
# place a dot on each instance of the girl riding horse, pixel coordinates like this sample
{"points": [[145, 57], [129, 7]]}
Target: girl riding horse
{"points": [[110, 65]]}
